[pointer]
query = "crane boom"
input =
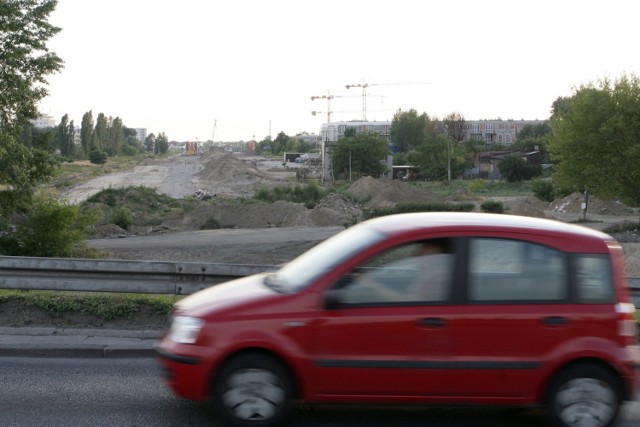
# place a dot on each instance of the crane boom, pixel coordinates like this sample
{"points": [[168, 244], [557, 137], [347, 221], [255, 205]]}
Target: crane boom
{"points": [[364, 87]]}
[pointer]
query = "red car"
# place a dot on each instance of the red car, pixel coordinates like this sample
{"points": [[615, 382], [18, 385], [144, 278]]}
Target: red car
{"points": [[433, 308]]}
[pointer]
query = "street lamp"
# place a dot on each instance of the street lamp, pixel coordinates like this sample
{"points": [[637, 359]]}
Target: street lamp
{"points": [[446, 128]]}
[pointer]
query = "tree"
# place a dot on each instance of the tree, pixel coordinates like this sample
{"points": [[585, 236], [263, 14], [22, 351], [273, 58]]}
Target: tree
{"points": [[25, 60], [64, 137], [431, 157], [362, 154], [86, 130], [515, 168], [595, 139], [99, 135], [150, 143], [408, 129], [455, 125], [114, 138], [162, 143], [535, 137]]}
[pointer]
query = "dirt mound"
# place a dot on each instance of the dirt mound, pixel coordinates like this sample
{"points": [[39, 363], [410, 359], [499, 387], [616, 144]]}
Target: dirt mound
{"points": [[227, 176], [526, 206], [573, 204], [380, 193]]}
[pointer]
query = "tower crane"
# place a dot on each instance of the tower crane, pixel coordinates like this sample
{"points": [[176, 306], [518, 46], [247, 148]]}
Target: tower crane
{"points": [[364, 87], [329, 97]]}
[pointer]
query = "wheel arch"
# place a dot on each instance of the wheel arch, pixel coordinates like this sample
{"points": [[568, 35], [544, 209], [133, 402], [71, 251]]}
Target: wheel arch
{"points": [[546, 385], [293, 375]]}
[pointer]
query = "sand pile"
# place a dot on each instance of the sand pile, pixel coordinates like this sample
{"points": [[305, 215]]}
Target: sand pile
{"points": [[227, 176], [380, 193]]}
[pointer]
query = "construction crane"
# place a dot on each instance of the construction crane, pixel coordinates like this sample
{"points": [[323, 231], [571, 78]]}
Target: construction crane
{"points": [[364, 87], [329, 97]]}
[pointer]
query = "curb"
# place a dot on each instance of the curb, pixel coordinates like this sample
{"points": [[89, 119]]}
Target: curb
{"points": [[77, 343]]}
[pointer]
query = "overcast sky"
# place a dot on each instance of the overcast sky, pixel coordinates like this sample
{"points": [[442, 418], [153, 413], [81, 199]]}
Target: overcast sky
{"points": [[250, 67]]}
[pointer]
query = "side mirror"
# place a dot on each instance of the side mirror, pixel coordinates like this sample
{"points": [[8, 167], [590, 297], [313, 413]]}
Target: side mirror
{"points": [[332, 299]]}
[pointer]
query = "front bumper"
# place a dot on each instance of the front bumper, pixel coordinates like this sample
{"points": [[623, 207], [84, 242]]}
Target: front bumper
{"points": [[184, 369]]}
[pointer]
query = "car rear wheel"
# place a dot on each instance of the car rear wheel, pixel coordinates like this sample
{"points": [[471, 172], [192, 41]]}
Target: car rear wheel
{"points": [[253, 390], [584, 395]]}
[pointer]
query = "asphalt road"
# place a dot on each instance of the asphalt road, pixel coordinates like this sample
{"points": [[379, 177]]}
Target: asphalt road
{"points": [[130, 392]]}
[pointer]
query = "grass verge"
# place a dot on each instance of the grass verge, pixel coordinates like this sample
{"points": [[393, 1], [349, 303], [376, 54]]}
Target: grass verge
{"points": [[105, 306]]}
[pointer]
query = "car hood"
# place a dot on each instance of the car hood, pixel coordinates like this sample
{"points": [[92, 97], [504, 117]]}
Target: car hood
{"points": [[225, 296]]}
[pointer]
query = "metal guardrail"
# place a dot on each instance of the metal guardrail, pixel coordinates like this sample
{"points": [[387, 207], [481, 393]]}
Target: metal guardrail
{"points": [[152, 277]]}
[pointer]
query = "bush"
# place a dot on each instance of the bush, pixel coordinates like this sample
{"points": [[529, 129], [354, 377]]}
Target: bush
{"points": [[51, 229], [475, 186], [98, 157], [418, 207], [543, 190], [122, 217], [492, 206]]}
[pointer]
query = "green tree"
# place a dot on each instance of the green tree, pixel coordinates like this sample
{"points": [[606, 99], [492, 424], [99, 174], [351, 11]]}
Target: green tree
{"points": [[114, 138], [64, 137], [99, 135], [86, 130], [162, 143], [150, 143], [535, 137], [52, 229], [595, 139], [408, 129], [25, 60], [360, 154], [431, 157], [25, 63], [515, 168]]}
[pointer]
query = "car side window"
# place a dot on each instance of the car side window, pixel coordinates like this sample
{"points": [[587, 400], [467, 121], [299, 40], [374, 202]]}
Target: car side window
{"points": [[419, 272], [594, 281], [515, 270]]}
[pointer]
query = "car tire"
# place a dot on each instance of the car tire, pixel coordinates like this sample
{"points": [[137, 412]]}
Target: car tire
{"points": [[584, 395], [253, 390]]}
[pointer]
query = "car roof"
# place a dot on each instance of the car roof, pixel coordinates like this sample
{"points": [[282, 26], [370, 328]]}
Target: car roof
{"points": [[401, 223]]}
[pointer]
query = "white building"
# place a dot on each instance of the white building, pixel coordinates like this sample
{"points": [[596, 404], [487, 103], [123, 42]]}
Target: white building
{"points": [[44, 121], [141, 134]]}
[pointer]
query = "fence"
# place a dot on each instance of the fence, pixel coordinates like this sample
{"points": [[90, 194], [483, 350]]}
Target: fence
{"points": [[152, 277]]}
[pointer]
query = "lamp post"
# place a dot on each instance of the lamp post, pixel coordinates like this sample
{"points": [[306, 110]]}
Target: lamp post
{"points": [[446, 128]]}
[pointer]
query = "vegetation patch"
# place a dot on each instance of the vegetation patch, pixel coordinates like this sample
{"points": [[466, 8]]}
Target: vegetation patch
{"points": [[105, 306], [418, 207]]}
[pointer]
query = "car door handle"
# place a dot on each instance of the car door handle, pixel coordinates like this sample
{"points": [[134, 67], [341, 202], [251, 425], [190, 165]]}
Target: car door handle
{"points": [[434, 322], [555, 321]]}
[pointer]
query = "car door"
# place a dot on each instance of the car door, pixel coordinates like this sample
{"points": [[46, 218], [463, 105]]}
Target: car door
{"points": [[385, 341], [516, 315]]}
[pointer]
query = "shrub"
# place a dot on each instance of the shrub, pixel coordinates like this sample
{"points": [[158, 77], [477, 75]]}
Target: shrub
{"points": [[492, 206], [418, 207], [51, 229], [98, 157], [543, 190], [122, 217], [475, 186]]}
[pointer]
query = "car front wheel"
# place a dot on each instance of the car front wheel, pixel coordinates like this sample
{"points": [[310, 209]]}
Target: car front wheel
{"points": [[584, 396], [253, 390]]}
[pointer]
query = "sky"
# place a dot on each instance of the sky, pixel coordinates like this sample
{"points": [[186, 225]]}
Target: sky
{"points": [[237, 70]]}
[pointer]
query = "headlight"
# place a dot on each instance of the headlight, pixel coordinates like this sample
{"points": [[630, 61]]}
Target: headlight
{"points": [[185, 329]]}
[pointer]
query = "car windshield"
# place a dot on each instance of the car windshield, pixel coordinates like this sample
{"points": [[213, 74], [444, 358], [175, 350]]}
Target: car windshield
{"points": [[306, 268]]}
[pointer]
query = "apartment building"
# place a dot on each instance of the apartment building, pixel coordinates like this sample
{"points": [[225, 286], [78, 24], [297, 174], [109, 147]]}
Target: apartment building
{"points": [[498, 131]]}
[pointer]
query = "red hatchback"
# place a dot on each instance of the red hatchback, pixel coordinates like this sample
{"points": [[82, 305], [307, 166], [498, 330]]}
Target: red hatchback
{"points": [[434, 308]]}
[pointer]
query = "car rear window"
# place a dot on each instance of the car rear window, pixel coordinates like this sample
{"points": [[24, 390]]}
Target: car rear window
{"points": [[594, 281], [514, 270]]}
